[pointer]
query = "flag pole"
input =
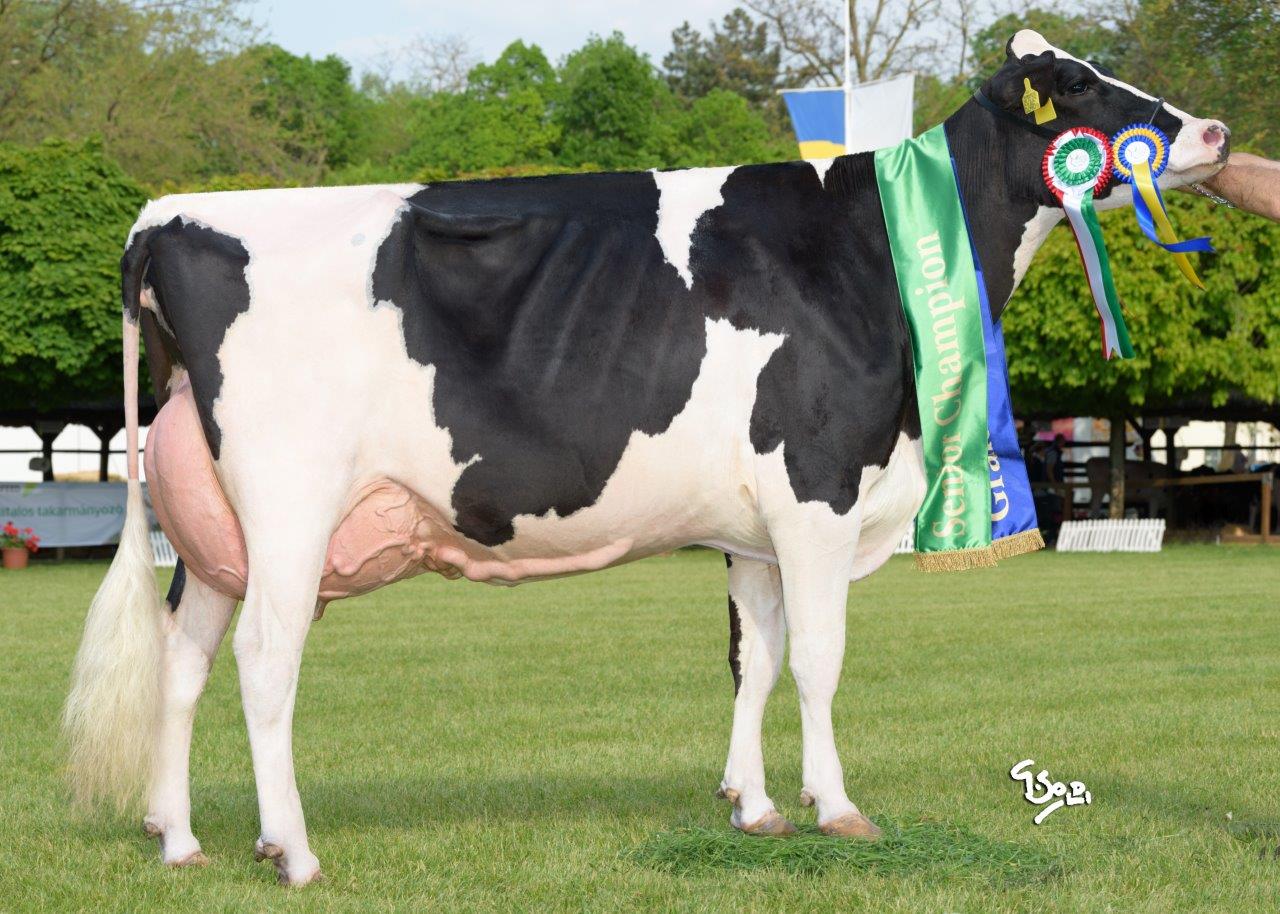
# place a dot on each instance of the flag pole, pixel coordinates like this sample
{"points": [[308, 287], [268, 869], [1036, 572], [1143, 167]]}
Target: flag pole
{"points": [[848, 82]]}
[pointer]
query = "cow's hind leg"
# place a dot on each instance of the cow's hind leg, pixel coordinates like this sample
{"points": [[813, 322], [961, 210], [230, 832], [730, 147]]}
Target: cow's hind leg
{"points": [[284, 576], [816, 559], [193, 627], [756, 642]]}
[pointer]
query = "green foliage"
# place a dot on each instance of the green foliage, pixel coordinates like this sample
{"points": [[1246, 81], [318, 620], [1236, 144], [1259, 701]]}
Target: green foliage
{"points": [[1085, 36], [466, 132], [519, 67], [736, 56], [502, 120], [722, 128], [311, 103], [1189, 343], [181, 99], [936, 100], [1214, 58], [65, 210], [610, 104], [158, 83]]}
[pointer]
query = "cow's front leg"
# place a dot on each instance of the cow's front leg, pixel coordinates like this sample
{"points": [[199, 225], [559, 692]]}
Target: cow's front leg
{"points": [[193, 629], [756, 641], [816, 560], [278, 610]]}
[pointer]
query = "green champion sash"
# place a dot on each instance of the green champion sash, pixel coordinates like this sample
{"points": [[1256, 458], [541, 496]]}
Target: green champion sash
{"points": [[939, 289]]}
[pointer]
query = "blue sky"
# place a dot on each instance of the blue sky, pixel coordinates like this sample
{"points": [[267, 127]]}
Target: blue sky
{"points": [[359, 31]]}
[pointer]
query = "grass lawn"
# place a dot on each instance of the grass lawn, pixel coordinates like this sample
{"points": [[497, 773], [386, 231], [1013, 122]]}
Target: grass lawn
{"points": [[556, 747]]}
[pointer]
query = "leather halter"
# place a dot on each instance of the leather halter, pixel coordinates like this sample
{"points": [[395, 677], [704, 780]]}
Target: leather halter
{"points": [[1039, 129]]}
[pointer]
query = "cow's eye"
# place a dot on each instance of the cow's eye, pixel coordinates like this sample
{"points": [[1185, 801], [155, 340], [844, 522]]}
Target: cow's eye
{"points": [[1079, 87]]}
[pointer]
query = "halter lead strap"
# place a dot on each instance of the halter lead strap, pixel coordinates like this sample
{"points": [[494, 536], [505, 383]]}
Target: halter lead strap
{"points": [[1038, 129]]}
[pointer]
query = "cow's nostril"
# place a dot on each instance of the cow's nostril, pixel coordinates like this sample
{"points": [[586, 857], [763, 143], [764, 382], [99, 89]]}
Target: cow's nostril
{"points": [[1214, 136]]}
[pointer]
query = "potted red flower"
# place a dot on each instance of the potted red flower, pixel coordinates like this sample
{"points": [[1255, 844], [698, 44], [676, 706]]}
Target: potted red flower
{"points": [[17, 545]]}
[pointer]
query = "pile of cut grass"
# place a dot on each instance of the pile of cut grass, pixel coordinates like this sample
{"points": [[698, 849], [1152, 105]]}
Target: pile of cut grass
{"points": [[930, 848]]}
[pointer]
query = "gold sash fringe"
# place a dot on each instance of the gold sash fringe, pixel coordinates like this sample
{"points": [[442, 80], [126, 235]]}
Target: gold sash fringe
{"points": [[1018, 544], [956, 559], [983, 556]]}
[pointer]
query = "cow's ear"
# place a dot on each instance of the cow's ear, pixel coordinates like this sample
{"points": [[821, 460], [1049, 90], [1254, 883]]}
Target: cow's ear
{"points": [[1007, 86]]}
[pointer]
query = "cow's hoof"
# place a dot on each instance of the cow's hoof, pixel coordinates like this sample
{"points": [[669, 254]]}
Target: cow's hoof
{"points": [[771, 824], [264, 851], [287, 873], [851, 825], [195, 859]]}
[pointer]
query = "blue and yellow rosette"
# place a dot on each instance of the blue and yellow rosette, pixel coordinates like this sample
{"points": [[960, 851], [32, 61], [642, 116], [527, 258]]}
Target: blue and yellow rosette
{"points": [[1076, 165], [1140, 154]]}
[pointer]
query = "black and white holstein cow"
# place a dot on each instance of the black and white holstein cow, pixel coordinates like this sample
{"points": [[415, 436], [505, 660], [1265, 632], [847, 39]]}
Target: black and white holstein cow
{"points": [[522, 379]]}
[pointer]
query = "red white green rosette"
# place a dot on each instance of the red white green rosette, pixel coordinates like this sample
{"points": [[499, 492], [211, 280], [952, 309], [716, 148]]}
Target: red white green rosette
{"points": [[1076, 165]]}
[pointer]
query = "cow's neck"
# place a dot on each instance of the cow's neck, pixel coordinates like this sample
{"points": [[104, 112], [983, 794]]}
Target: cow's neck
{"points": [[1009, 208]]}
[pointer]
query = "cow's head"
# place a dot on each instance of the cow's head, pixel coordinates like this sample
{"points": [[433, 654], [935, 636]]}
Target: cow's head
{"points": [[998, 156], [1086, 95]]}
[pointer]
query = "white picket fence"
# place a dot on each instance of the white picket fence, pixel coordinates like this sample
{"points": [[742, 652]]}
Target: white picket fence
{"points": [[1128, 535], [163, 549]]}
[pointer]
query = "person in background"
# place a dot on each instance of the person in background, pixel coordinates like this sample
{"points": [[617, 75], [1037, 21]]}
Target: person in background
{"points": [[1249, 182], [1054, 457]]}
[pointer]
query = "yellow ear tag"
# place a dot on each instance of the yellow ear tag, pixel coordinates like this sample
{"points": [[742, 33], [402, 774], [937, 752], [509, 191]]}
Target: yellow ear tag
{"points": [[1031, 104], [1030, 97]]}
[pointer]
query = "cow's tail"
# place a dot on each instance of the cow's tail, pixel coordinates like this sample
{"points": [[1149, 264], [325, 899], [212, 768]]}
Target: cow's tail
{"points": [[111, 713]]}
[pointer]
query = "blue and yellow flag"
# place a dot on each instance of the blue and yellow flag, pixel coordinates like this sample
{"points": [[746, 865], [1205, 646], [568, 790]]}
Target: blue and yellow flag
{"points": [[818, 116]]}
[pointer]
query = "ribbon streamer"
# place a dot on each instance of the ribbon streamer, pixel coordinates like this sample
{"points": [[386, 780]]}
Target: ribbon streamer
{"points": [[1076, 164], [1141, 154]]}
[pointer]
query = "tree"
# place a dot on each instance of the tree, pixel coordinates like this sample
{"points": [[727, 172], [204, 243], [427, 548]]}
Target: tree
{"points": [[736, 56], [520, 66], [608, 109], [886, 36], [65, 210], [162, 84], [1086, 36], [439, 63], [1189, 343], [502, 119], [721, 128], [1214, 58], [311, 103], [465, 132]]}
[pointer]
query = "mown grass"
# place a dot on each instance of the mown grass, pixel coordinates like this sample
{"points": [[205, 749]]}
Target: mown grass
{"points": [[555, 748], [925, 847]]}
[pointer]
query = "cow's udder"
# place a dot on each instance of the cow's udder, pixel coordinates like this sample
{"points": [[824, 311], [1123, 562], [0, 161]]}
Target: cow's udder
{"points": [[389, 533]]}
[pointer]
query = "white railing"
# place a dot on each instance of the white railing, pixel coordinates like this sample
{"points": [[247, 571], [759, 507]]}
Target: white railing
{"points": [[163, 549], [1128, 535]]}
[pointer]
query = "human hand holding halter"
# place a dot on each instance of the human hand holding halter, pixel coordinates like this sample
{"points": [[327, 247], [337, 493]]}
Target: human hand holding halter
{"points": [[1250, 182]]}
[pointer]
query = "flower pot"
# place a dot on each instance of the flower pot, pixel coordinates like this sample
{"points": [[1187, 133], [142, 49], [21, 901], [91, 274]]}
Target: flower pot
{"points": [[16, 557]]}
